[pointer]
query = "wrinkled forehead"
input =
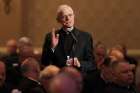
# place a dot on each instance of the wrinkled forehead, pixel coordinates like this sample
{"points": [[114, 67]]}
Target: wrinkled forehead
{"points": [[64, 10]]}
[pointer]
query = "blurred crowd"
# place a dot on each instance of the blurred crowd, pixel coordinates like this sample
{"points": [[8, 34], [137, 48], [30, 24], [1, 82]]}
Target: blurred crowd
{"points": [[21, 71]]}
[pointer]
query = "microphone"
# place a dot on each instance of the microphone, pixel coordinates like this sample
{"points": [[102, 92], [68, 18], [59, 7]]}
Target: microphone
{"points": [[73, 46], [74, 37]]}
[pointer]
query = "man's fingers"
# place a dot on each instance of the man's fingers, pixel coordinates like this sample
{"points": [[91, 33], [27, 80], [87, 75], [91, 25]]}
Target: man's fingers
{"points": [[54, 35], [53, 32], [57, 36], [76, 62]]}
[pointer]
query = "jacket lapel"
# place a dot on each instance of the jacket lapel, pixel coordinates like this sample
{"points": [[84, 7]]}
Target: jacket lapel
{"points": [[75, 33]]}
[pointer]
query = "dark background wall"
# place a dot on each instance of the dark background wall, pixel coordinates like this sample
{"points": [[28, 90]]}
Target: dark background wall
{"points": [[109, 21]]}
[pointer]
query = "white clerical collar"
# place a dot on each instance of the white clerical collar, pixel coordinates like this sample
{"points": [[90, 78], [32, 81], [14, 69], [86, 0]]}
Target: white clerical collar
{"points": [[69, 29], [33, 80]]}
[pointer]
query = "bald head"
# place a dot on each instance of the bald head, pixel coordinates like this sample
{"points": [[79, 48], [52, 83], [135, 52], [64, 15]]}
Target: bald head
{"points": [[75, 74], [63, 83], [2, 73]]}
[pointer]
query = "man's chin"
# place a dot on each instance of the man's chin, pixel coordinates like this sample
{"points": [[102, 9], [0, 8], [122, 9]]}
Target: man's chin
{"points": [[68, 26]]}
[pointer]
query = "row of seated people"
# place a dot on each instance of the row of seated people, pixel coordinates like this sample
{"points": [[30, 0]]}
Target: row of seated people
{"points": [[108, 78], [113, 77]]}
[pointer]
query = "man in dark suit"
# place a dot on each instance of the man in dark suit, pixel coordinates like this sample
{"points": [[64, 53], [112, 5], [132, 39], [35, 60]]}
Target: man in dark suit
{"points": [[30, 81], [123, 78], [68, 46], [11, 60]]}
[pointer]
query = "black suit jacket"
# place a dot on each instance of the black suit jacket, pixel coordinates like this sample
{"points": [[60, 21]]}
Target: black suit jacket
{"points": [[94, 83], [114, 88], [82, 49], [28, 86]]}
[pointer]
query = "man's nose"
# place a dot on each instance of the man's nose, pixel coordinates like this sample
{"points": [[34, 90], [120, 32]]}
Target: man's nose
{"points": [[67, 18]]}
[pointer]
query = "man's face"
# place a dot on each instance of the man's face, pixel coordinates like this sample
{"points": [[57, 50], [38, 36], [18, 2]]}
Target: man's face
{"points": [[124, 73], [25, 49], [2, 74], [11, 46], [66, 18]]}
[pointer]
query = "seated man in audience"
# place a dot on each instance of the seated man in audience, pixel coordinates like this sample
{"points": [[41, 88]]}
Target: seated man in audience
{"points": [[26, 49], [11, 60], [75, 74], [47, 74], [12, 56], [99, 80], [30, 69], [123, 77], [119, 52], [100, 53], [63, 83]]}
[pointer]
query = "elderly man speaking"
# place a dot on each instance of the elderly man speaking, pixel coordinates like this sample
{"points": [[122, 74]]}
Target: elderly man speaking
{"points": [[68, 46]]}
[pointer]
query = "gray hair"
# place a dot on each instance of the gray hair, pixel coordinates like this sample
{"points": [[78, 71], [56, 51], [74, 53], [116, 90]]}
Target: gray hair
{"points": [[63, 8], [25, 40], [49, 72]]}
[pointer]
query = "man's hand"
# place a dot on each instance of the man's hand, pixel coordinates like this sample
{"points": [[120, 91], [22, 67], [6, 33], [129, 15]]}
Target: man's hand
{"points": [[54, 38], [71, 62], [76, 62]]}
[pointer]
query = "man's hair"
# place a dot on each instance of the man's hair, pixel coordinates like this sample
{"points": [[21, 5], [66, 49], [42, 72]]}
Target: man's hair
{"points": [[115, 64], [63, 82], [25, 41], [49, 72], [28, 64], [107, 62], [62, 8]]}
